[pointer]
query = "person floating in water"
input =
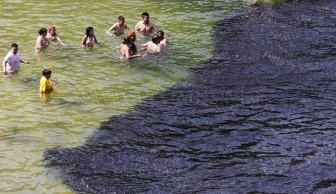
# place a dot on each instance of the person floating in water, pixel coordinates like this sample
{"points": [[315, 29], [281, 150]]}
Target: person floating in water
{"points": [[118, 28], [127, 49], [145, 27], [162, 39], [152, 46], [42, 41], [53, 37], [89, 38], [11, 62], [46, 86]]}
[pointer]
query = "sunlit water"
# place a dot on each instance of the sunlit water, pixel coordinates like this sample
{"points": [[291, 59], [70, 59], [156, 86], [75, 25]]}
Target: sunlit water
{"points": [[90, 85]]}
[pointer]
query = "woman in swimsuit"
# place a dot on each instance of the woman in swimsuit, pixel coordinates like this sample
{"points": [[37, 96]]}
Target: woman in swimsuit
{"points": [[89, 39], [127, 49], [42, 42]]}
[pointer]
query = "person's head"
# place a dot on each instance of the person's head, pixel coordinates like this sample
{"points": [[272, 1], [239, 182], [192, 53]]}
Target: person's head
{"points": [[160, 34], [42, 32], [46, 73], [128, 40], [121, 20], [132, 35], [52, 30], [89, 31], [14, 48], [155, 39], [145, 17]]}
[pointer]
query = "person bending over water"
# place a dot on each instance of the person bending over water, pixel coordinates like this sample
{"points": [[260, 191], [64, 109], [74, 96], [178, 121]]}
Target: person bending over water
{"points": [[118, 28], [12, 60], [145, 27], [89, 39], [152, 46], [42, 41], [46, 86], [53, 37], [127, 49]]}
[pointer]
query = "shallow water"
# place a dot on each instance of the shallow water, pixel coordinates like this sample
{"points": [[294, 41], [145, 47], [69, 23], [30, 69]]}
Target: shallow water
{"points": [[90, 86], [258, 117]]}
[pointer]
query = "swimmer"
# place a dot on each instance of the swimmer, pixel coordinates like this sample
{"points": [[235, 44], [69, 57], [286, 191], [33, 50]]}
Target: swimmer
{"points": [[12, 60], [152, 46], [53, 37], [145, 27], [127, 49], [42, 41], [89, 38], [118, 28]]}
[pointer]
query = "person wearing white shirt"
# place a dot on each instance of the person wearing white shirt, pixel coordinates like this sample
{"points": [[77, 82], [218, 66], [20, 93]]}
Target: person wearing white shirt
{"points": [[11, 63]]}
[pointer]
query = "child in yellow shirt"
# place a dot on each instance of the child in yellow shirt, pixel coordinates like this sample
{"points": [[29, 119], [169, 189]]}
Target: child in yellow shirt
{"points": [[46, 86]]}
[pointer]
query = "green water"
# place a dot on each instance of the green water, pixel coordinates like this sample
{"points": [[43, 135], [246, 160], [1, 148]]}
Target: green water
{"points": [[90, 85]]}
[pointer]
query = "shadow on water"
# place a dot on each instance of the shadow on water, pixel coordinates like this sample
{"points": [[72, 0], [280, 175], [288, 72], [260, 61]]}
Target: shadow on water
{"points": [[259, 117]]}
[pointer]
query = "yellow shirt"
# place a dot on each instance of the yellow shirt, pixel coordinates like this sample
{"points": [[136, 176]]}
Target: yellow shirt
{"points": [[45, 85]]}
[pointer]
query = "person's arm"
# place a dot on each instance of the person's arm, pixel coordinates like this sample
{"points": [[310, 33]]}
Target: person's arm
{"points": [[96, 41], [143, 47], [42, 89], [84, 41], [59, 40], [126, 27], [110, 31], [38, 42], [137, 26], [4, 67], [23, 61], [128, 56]]}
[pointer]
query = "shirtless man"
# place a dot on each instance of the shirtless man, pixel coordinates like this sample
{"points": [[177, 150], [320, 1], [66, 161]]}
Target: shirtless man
{"points": [[145, 26], [118, 28], [152, 46]]}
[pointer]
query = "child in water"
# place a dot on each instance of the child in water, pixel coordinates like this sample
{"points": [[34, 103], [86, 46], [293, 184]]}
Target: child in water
{"points": [[46, 86], [118, 28]]}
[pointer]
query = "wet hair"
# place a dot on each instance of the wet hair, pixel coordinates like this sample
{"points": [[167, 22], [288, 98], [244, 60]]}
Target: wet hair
{"points": [[46, 72], [160, 32], [144, 14], [42, 31], [128, 40], [120, 18], [155, 39], [88, 29], [14, 45]]}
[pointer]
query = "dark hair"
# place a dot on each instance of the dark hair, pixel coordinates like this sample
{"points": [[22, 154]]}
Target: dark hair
{"points": [[46, 72], [14, 45], [88, 29], [121, 18], [155, 39], [128, 40], [42, 31], [160, 32], [145, 14]]}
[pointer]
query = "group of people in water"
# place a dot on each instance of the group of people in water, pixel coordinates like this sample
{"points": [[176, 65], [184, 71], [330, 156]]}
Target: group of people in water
{"points": [[127, 49]]}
